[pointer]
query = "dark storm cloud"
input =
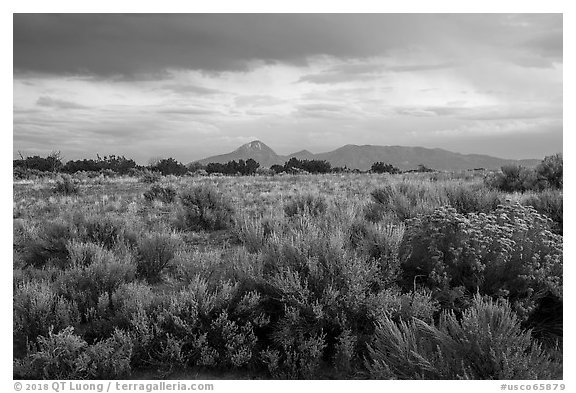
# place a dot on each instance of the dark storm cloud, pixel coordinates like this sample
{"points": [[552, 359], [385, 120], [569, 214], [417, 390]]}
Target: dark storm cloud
{"points": [[128, 45]]}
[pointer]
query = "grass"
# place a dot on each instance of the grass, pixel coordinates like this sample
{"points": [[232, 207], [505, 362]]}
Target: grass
{"points": [[293, 276]]}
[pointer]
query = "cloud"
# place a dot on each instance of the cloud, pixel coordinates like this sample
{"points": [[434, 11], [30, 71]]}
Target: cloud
{"points": [[160, 82], [418, 112], [258, 100], [326, 111], [50, 102], [187, 111], [420, 67], [367, 71], [190, 89], [486, 112], [337, 77], [111, 44]]}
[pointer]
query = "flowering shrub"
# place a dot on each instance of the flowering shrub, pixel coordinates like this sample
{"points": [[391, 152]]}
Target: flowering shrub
{"points": [[510, 253]]}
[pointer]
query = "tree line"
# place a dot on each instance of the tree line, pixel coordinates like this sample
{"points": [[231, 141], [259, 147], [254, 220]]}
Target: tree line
{"points": [[121, 165]]}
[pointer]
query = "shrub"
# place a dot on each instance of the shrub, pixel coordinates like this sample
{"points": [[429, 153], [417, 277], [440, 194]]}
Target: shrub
{"points": [[548, 174], [380, 167], [402, 200], [550, 203], [87, 285], [158, 192], [49, 245], [392, 303], [305, 204], [550, 171], [155, 252], [380, 242], [234, 343], [206, 208], [471, 199], [38, 308], [252, 232], [169, 166], [313, 287], [149, 177], [487, 343], [510, 252], [65, 186], [106, 230], [301, 348], [66, 355]]}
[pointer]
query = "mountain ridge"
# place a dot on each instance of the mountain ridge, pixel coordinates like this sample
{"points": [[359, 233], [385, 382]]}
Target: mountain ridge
{"points": [[363, 156]]}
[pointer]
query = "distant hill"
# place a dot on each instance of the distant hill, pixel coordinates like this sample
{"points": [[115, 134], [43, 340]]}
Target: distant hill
{"points": [[362, 157], [255, 150]]}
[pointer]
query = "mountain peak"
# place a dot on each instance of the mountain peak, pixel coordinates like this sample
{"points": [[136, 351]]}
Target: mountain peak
{"points": [[254, 146]]}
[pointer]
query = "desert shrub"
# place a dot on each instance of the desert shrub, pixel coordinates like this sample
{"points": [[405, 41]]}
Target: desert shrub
{"points": [[300, 348], [65, 186], [65, 355], [314, 285], [89, 279], [513, 178], [392, 303], [254, 232], [510, 253], [149, 177], [550, 171], [380, 167], [157, 192], [37, 308], [49, 245], [106, 230], [345, 352], [488, 342], [381, 242], [233, 343], [471, 199], [155, 252], [403, 200], [204, 207], [548, 202], [130, 297], [190, 326], [305, 204]]}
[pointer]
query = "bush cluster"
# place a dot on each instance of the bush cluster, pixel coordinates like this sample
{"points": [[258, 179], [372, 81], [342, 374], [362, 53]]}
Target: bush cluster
{"points": [[204, 207], [509, 253], [427, 280], [163, 194], [511, 178], [487, 342]]}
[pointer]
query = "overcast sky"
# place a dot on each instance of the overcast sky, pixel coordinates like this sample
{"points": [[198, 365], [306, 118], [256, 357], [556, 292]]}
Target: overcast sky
{"points": [[190, 86]]}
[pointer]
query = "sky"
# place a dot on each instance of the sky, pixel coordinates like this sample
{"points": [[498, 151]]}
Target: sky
{"points": [[190, 86]]}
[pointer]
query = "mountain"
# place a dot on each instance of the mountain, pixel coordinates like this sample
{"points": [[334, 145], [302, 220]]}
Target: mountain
{"points": [[362, 157], [302, 155], [255, 150]]}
